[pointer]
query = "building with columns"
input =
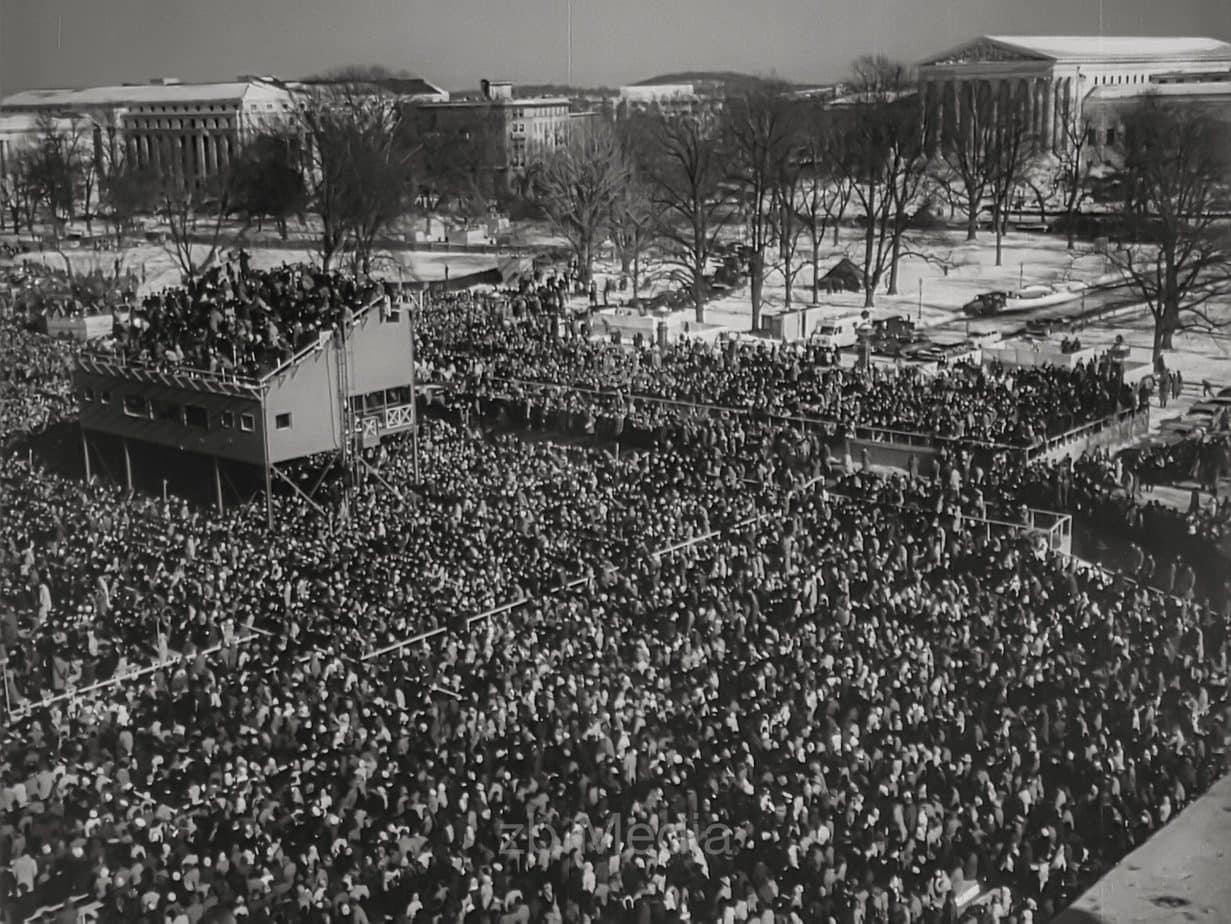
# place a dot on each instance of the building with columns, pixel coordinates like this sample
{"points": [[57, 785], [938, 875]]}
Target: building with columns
{"points": [[1049, 80], [177, 129]]}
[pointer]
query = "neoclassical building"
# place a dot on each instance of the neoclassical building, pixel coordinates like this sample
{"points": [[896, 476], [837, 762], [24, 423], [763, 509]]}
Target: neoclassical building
{"points": [[1048, 80], [178, 129]]}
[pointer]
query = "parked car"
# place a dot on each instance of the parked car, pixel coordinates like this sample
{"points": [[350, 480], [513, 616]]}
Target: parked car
{"points": [[988, 303]]}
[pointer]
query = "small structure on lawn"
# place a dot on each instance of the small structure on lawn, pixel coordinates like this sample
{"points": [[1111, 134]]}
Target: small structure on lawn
{"points": [[843, 276]]}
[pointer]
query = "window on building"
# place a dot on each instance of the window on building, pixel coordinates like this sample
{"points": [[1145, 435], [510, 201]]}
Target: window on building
{"points": [[282, 421], [104, 397], [247, 423], [167, 411], [87, 394], [1091, 136], [1111, 136], [136, 406], [227, 420], [196, 417]]}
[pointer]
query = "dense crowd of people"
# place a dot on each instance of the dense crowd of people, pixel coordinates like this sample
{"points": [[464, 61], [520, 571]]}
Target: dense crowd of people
{"points": [[1019, 407], [721, 678], [35, 388], [237, 320]]}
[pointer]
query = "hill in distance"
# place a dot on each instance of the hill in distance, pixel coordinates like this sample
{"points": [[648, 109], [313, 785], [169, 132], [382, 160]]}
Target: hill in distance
{"points": [[729, 81]]}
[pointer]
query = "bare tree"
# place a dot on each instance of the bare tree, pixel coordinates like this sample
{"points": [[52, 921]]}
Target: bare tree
{"points": [[1064, 175], [1175, 176], [126, 191], [269, 182], [963, 165], [22, 189], [357, 170], [882, 153], [686, 174], [824, 190], [788, 189], [634, 225], [1009, 157], [760, 140], [579, 187], [54, 166], [196, 217]]}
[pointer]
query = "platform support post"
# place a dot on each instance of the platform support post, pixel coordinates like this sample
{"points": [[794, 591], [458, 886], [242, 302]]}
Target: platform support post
{"points": [[128, 466], [85, 455], [269, 500], [218, 487]]}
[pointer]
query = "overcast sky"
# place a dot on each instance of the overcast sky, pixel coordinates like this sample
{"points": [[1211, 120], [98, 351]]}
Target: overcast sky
{"points": [[59, 43]]}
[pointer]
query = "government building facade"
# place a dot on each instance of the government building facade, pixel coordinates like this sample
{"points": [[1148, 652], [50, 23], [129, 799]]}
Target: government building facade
{"points": [[189, 131], [1058, 85]]}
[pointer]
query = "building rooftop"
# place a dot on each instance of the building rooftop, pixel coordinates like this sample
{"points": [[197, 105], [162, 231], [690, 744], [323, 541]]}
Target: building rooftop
{"points": [[132, 95], [1079, 49], [398, 86], [1117, 47], [509, 101]]}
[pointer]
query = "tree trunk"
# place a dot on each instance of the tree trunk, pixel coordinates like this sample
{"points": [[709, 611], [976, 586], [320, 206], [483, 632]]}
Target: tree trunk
{"points": [[585, 254], [698, 286], [756, 282], [636, 273], [893, 264], [816, 266], [972, 222], [869, 243], [1165, 324], [835, 232], [999, 235], [788, 279]]}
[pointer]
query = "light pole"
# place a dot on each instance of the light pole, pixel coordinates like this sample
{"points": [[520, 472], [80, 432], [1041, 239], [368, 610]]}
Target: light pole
{"points": [[920, 316], [569, 4]]}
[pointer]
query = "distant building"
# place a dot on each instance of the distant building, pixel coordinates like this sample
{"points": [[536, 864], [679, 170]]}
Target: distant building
{"points": [[21, 130], [178, 129], [403, 89], [1052, 79], [670, 100], [506, 133], [1105, 108]]}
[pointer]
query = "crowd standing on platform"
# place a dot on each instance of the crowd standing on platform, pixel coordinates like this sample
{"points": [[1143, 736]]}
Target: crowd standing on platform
{"points": [[815, 699], [236, 320]]}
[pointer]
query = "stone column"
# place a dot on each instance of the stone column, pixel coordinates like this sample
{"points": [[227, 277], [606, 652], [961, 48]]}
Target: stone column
{"points": [[201, 168], [1049, 98], [1064, 140], [1057, 132]]}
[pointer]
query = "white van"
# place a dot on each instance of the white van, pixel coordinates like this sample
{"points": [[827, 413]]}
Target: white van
{"points": [[837, 333]]}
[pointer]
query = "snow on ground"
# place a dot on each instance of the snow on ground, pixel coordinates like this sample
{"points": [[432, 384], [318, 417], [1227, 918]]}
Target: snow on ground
{"points": [[1027, 259], [159, 269]]}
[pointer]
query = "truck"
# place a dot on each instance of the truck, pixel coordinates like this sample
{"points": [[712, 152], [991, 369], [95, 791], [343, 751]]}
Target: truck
{"points": [[837, 333]]}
